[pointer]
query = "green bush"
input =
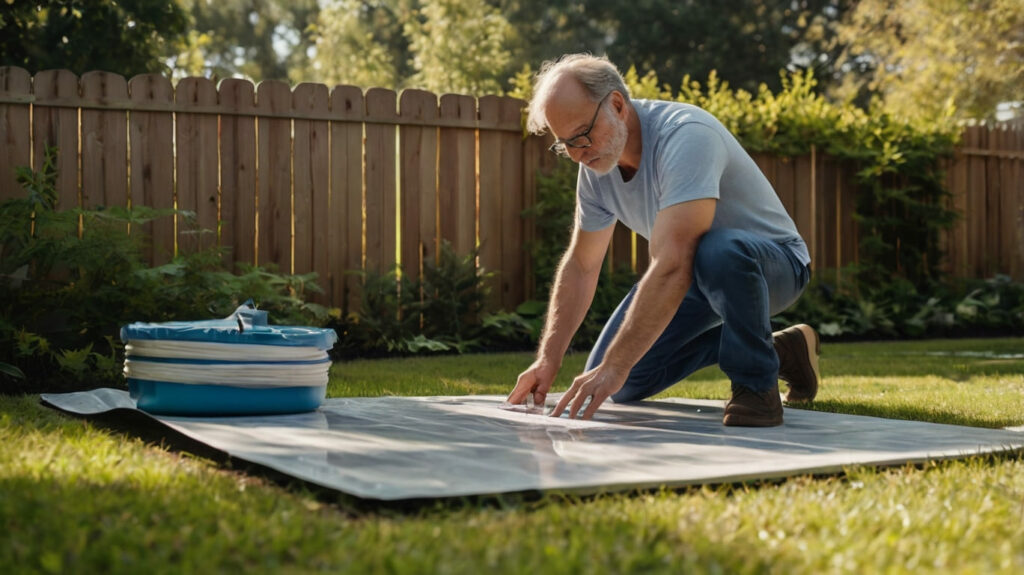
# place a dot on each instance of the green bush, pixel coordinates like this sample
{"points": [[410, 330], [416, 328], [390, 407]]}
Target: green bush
{"points": [[443, 311], [70, 278], [898, 309]]}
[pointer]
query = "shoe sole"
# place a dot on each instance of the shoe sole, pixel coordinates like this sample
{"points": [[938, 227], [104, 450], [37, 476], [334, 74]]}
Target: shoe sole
{"points": [[813, 351], [740, 421]]}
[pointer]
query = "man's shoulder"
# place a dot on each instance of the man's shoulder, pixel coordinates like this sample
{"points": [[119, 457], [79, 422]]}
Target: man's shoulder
{"points": [[665, 117]]}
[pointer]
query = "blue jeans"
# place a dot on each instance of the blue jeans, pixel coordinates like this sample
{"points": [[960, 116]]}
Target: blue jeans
{"points": [[740, 280]]}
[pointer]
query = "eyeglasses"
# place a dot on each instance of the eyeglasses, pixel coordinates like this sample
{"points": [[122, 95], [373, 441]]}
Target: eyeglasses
{"points": [[581, 140]]}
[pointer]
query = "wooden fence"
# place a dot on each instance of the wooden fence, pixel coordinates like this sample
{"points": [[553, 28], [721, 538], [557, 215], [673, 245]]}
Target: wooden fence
{"points": [[309, 179], [336, 179], [986, 181]]}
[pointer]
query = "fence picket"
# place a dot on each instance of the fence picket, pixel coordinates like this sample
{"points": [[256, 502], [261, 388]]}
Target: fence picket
{"points": [[418, 185], [15, 129], [104, 141], [490, 229], [311, 174], [237, 98], [381, 113], [457, 174], [274, 167], [151, 142], [345, 218], [196, 155], [57, 126], [513, 266]]}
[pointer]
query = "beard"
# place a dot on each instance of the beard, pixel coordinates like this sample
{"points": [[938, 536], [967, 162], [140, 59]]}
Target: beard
{"points": [[608, 155]]}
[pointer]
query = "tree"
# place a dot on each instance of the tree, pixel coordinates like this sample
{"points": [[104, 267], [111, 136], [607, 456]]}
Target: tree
{"points": [[746, 41], [361, 43], [438, 45], [546, 29], [919, 56], [459, 46], [256, 39], [127, 37]]}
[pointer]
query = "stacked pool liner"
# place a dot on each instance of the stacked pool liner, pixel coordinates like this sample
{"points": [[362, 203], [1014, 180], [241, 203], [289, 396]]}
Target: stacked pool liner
{"points": [[238, 365]]}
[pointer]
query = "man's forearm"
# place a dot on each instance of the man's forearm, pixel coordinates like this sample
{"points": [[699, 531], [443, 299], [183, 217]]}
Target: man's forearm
{"points": [[571, 295]]}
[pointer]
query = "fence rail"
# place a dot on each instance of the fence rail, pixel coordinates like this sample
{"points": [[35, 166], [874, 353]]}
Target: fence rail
{"points": [[329, 180]]}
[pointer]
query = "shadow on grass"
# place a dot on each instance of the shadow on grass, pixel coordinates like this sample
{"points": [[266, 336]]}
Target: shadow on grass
{"points": [[909, 413]]}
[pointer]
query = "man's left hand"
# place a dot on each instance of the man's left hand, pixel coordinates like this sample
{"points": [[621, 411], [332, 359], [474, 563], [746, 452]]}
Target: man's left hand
{"points": [[597, 384]]}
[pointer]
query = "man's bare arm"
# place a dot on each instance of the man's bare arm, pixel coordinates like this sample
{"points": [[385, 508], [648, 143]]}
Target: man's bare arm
{"points": [[571, 295]]}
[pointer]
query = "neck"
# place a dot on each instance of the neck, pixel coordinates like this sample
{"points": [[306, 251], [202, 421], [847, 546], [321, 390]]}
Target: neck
{"points": [[629, 162]]}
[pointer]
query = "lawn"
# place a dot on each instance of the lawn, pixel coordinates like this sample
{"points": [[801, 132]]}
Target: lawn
{"points": [[78, 498]]}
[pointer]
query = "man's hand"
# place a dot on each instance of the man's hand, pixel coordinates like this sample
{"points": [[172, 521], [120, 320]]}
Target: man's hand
{"points": [[536, 380], [597, 384]]}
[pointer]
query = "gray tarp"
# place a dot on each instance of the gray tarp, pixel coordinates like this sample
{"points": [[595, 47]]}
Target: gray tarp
{"points": [[392, 448]]}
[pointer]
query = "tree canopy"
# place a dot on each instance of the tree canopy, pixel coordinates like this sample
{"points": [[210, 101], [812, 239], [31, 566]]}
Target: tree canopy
{"points": [[924, 55], [127, 37], [913, 56], [257, 39]]}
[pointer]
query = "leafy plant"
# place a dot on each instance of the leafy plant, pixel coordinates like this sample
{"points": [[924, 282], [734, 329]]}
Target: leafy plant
{"points": [[898, 309], [443, 311]]}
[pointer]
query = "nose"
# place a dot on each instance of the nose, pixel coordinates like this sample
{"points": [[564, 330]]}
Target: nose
{"points": [[576, 154]]}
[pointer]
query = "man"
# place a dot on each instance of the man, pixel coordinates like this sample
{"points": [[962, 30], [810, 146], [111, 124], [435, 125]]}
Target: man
{"points": [[725, 256]]}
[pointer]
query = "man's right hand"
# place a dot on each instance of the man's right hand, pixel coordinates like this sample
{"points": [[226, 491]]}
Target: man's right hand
{"points": [[536, 380]]}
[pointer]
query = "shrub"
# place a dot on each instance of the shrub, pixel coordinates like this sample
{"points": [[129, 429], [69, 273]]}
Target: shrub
{"points": [[899, 309], [443, 311]]}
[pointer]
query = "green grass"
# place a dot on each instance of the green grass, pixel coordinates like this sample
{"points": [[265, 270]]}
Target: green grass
{"points": [[77, 498]]}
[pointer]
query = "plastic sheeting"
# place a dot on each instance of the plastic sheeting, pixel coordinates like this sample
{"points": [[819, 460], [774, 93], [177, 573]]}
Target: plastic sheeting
{"points": [[393, 448]]}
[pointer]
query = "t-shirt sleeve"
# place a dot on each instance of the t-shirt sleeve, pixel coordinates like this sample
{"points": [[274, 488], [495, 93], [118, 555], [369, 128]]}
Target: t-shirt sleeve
{"points": [[591, 215], [690, 165]]}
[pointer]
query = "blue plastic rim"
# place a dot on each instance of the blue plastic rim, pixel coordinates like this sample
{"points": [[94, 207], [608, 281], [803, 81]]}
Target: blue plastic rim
{"points": [[164, 398], [246, 325]]}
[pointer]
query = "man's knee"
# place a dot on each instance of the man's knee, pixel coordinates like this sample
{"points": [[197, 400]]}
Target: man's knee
{"points": [[722, 252]]}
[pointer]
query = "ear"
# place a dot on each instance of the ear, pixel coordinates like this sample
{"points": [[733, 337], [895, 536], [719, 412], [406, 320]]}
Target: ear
{"points": [[619, 103]]}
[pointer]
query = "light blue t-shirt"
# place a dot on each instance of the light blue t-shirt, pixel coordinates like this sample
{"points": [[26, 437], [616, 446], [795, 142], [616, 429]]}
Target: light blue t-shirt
{"points": [[687, 155]]}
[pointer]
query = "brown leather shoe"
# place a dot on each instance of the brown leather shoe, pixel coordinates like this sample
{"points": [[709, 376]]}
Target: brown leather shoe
{"points": [[798, 349], [749, 408]]}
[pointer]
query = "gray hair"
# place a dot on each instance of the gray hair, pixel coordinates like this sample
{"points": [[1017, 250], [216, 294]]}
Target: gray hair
{"points": [[596, 74]]}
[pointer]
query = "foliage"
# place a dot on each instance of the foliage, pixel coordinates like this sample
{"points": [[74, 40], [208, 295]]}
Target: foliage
{"points": [[924, 56], [841, 309], [70, 278], [459, 46], [413, 44], [127, 37], [745, 42], [256, 39], [442, 311], [361, 43]]}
